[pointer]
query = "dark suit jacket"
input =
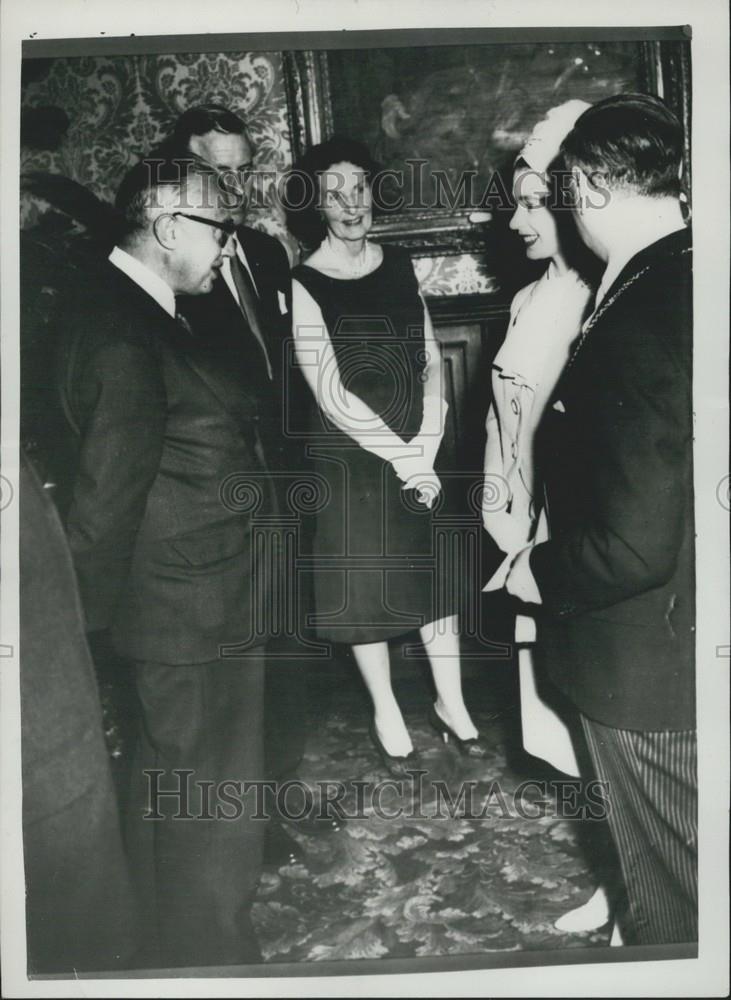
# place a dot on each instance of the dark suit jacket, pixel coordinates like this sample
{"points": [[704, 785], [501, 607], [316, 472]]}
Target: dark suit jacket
{"points": [[80, 909], [285, 397], [617, 577], [270, 269], [167, 478]]}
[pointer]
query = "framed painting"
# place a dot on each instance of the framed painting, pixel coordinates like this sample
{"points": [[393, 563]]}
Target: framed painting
{"points": [[445, 122]]}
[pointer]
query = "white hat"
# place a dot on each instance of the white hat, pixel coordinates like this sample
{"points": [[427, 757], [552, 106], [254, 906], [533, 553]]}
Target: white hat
{"points": [[544, 142]]}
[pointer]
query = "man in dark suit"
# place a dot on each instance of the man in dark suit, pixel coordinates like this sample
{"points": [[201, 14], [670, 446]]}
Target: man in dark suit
{"points": [[165, 553], [251, 305], [616, 579], [251, 299]]}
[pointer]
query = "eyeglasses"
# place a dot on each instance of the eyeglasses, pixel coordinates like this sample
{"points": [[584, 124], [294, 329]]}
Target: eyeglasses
{"points": [[227, 227]]}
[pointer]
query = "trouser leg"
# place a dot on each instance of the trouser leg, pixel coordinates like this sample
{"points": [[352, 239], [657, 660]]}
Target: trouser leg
{"points": [[205, 719], [652, 794], [120, 710], [285, 709]]}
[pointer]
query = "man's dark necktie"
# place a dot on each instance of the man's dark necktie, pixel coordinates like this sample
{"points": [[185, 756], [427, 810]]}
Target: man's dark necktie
{"points": [[249, 303]]}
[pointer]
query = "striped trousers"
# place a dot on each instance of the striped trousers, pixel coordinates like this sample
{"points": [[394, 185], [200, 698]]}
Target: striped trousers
{"points": [[651, 789]]}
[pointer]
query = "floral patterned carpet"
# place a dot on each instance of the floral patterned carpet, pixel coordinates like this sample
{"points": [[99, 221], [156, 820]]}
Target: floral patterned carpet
{"points": [[492, 874]]}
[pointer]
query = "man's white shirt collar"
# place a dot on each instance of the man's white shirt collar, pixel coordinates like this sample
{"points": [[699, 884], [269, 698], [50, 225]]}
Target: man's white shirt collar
{"points": [[147, 280]]}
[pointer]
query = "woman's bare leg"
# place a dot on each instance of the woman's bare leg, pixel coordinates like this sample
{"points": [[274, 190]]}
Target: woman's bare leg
{"points": [[375, 669], [441, 642]]}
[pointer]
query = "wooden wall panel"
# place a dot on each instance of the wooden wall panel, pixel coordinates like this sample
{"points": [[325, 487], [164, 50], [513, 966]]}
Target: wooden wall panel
{"points": [[469, 329]]}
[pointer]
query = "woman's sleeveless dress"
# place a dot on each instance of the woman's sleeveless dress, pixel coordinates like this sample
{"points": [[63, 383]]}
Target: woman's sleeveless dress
{"points": [[375, 570]]}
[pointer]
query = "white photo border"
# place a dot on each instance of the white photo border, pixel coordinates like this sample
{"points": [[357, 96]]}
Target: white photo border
{"points": [[89, 20]]}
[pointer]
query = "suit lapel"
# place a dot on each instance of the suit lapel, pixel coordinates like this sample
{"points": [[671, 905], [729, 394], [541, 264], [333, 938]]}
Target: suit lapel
{"points": [[225, 382], [261, 271], [678, 242], [217, 366], [211, 359]]}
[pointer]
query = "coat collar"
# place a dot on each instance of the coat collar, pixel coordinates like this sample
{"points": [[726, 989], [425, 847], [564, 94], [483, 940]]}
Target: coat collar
{"points": [[118, 282], [146, 279], [669, 246], [206, 357], [673, 245]]}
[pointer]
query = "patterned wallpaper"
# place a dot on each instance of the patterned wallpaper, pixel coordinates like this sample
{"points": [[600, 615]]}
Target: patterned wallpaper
{"points": [[459, 274], [119, 107]]}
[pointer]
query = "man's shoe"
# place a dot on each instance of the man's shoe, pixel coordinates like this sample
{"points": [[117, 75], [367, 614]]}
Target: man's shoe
{"points": [[279, 848]]}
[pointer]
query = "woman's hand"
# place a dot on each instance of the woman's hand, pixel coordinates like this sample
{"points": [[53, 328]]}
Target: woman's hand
{"points": [[510, 533], [427, 485], [416, 474], [520, 581]]}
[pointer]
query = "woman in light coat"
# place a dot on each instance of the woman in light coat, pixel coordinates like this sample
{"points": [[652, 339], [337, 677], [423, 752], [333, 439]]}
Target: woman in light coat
{"points": [[545, 319]]}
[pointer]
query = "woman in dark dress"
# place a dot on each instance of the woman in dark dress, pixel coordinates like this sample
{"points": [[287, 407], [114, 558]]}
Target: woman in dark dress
{"points": [[365, 346]]}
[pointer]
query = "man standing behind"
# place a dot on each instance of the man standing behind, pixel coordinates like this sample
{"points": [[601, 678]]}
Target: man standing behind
{"points": [[250, 308], [616, 578], [257, 273], [161, 418]]}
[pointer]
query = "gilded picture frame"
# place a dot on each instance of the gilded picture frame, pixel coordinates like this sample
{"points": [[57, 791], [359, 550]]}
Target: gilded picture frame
{"points": [[452, 124]]}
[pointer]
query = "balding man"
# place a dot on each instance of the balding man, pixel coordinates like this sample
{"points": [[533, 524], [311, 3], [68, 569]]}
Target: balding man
{"points": [[161, 419]]}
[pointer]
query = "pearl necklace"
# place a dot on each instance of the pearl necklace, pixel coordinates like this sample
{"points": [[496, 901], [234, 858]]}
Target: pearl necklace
{"points": [[344, 264]]}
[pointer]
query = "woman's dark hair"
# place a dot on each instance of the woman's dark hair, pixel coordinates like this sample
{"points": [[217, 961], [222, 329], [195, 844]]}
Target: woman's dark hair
{"points": [[633, 140], [301, 191], [560, 203]]}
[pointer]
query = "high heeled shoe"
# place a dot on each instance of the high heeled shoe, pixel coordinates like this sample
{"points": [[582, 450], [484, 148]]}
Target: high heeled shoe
{"points": [[397, 767], [474, 747]]}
